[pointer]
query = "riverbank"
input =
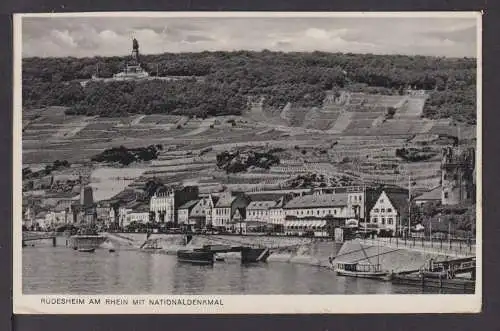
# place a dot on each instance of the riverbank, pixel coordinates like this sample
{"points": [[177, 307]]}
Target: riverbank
{"points": [[309, 251]]}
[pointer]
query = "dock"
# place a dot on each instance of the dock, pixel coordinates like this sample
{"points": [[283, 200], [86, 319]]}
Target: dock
{"points": [[35, 236], [465, 285]]}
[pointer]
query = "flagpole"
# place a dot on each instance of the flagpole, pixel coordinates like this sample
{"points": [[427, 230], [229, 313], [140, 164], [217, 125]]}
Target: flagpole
{"points": [[449, 233], [409, 204], [430, 229]]}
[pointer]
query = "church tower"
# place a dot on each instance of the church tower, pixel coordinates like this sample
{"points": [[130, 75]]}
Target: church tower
{"points": [[457, 176]]}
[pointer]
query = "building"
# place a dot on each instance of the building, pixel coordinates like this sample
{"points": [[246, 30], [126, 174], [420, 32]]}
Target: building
{"points": [[239, 224], [208, 204], [432, 196], [260, 211], [137, 212], [42, 221], [184, 212], [113, 216], [320, 205], [199, 215], [225, 209], [166, 201], [312, 213], [457, 176], [390, 211], [103, 212], [277, 214], [358, 197]]}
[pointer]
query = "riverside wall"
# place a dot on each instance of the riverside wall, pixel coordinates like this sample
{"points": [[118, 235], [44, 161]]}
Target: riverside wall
{"points": [[390, 258], [309, 251]]}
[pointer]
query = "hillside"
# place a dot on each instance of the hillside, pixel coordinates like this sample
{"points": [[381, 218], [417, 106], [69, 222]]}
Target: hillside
{"points": [[232, 78]]}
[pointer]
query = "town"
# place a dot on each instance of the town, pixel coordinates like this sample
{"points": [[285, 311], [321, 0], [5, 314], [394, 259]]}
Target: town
{"points": [[383, 209]]}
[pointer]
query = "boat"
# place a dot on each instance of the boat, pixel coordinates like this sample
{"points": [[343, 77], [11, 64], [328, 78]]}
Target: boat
{"points": [[111, 250], [86, 238], [151, 245], [86, 250], [253, 255], [362, 270], [196, 256], [355, 269], [219, 258]]}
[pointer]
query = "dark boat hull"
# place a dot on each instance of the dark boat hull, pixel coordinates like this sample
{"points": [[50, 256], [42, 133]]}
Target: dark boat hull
{"points": [[87, 250], [196, 257], [252, 255], [371, 275], [86, 241]]}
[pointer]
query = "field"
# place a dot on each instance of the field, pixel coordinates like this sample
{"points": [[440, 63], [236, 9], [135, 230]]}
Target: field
{"points": [[347, 136]]}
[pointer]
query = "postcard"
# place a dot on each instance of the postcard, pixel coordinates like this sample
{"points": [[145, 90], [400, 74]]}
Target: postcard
{"points": [[247, 162]]}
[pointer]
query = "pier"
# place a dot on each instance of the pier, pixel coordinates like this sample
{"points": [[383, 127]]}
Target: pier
{"points": [[37, 236], [414, 262], [454, 248]]}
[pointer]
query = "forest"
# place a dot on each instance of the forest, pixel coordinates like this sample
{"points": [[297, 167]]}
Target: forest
{"points": [[233, 78]]}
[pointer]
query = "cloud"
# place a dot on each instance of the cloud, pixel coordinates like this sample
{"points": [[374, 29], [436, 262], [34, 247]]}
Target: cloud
{"points": [[104, 36]]}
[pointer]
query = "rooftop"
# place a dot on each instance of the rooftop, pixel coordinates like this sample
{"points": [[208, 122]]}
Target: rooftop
{"points": [[225, 200], [261, 204], [434, 194], [317, 201], [189, 204]]}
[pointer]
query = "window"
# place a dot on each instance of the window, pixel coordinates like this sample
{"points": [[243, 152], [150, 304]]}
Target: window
{"points": [[381, 201], [317, 212], [389, 221], [335, 212], [446, 195], [389, 210], [382, 210], [374, 220], [383, 220], [376, 210]]}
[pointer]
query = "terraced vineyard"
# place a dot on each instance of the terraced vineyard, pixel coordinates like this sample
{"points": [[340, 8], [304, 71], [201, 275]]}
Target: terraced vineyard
{"points": [[348, 135]]}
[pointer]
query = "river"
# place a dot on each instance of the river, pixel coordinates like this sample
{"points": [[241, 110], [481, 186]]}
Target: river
{"points": [[60, 270]]}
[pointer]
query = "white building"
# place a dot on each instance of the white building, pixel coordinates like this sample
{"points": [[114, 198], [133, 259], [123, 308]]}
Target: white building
{"points": [[390, 212], [113, 216], [319, 205], [55, 218], [137, 212], [162, 203], [208, 204], [277, 213], [165, 202], [137, 216], [225, 208], [311, 213], [122, 216], [260, 211]]}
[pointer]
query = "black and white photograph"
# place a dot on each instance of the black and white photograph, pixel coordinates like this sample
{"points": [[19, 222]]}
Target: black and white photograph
{"points": [[192, 159]]}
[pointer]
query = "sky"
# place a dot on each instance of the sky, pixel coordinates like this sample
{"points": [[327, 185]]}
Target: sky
{"points": [[109, 36]]}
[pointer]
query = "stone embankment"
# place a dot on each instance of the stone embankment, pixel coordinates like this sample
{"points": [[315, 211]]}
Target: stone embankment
{"points": [[396, 259], [310, 251], [284, 249]]}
